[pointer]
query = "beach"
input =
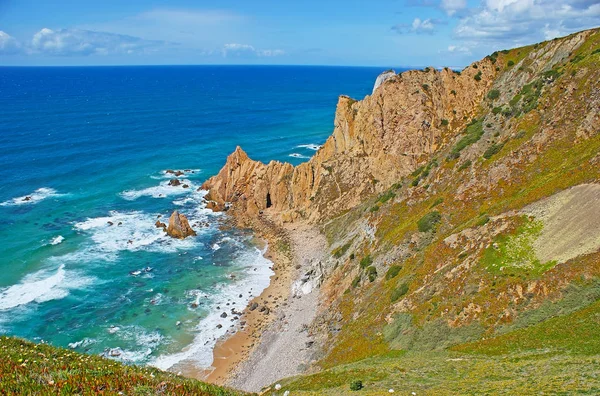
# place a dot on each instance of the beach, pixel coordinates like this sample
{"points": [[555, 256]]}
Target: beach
{"points": [[274, 345]]}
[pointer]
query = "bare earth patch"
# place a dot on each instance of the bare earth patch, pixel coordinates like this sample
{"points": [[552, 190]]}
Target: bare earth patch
{"points": [[571, 223]]}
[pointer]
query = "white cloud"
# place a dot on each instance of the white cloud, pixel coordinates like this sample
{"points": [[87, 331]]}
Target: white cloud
{"points": [[65, 42], [425, 26], [452, 6], [504, 23], [8, 44], [196, 29], [458, 49], [245, 50], [418, 26]]}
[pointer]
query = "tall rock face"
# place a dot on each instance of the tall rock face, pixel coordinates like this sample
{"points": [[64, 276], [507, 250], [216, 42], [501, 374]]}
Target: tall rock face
{"points": [[375, 142], [179, 227], [407, 121]]}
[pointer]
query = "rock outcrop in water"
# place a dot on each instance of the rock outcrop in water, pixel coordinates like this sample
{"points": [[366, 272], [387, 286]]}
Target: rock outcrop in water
{"points": [[179, 227]]}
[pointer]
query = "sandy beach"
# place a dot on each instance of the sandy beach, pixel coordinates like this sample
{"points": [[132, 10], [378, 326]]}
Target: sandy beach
{"points": [[272, 340]]}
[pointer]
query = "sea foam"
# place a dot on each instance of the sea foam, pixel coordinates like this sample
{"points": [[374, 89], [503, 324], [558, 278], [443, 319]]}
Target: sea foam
{"points": [[297, 155], [57, 240], [256, 276], [38, 195], [311, 146], [42, 286], [133, 231], [163, 190]]}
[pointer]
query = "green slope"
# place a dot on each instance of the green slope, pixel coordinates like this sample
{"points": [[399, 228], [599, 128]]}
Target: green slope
{"points": [[39, 369]]}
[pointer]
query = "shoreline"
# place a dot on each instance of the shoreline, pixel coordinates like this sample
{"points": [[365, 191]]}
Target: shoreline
{"points": [[233, 349], [275, 323]]}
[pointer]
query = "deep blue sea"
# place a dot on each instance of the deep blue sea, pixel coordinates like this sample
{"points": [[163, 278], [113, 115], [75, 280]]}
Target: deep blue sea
{"points": [[83, 155]]}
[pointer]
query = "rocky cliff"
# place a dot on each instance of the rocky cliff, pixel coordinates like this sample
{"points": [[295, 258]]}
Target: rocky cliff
{"points": [[462, 215], [378, 140], [375, 142]]}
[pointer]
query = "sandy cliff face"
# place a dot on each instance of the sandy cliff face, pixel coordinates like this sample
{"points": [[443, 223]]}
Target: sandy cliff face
{"points": [[375, 142]]}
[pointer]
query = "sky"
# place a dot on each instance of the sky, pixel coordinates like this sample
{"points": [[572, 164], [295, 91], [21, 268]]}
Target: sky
{"points": [[400, 33]]}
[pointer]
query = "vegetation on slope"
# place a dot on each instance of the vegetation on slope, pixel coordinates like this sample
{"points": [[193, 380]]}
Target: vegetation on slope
{"points": [[28, 369], [466, 306]]}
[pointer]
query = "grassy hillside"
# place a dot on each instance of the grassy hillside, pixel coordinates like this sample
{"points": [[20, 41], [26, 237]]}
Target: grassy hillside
{"points": [[456, 280], [28, 369]]}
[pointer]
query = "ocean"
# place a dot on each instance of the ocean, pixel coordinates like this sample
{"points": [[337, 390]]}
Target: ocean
{"points": [[83, 159]]}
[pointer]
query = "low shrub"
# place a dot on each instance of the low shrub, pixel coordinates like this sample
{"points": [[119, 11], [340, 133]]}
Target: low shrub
{"points": [[429, 221], [465, 165], [444, 122], [510, 63], [473, 133], [493, 149], [399, 292], [437, 202], [356, 385], [392, 272], [366, 261], [372, 273], [340, 251], [493, 94]]}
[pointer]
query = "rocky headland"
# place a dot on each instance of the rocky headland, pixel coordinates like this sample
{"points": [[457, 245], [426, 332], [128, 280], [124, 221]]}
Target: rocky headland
{"points": [[423, 197]]}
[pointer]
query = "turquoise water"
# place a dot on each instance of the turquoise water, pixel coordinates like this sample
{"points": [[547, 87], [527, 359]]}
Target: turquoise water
{"points": [[82, 264]]}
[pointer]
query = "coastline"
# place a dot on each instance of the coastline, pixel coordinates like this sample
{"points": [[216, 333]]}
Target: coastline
{"points": [[272, 342]]}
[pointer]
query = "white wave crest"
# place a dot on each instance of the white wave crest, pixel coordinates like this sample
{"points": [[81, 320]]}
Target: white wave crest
{"points": [[310, 146], [186, 173], [145, 342], [131, 231], [57, 240], [38, 195], [256, 275], [297, 155], [163, 190], [41, 286]]}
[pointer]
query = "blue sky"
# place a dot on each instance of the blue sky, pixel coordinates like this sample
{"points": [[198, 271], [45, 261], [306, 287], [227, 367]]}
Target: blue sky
{"points": [[308, 32]]}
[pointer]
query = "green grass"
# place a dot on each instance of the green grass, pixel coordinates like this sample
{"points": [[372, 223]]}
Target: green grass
{"points": [[514, 252], [452, 373], [576, 333], [27, 369]]}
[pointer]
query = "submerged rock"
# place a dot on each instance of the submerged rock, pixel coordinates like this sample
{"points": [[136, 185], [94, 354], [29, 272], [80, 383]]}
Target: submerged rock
{"points": [[179, 227], [173, 172]]}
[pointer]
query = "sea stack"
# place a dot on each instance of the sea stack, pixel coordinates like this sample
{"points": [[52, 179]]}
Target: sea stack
{"points": [[179, 227]]}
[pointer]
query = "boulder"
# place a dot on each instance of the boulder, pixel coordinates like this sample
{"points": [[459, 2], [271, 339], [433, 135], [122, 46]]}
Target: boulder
{"points": [[160, 224], [174, 182], [179, 227]]}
